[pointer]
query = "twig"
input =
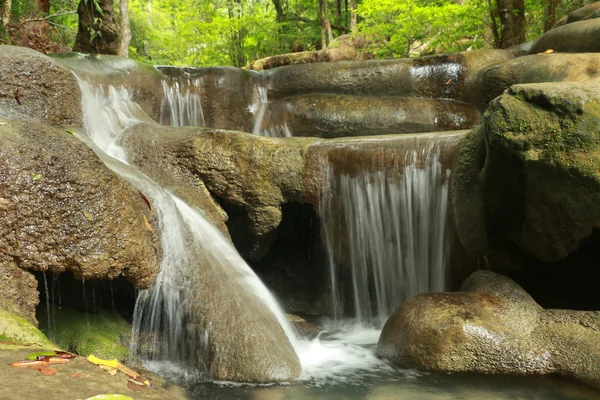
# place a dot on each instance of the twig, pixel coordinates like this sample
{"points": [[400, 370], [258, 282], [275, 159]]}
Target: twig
{"points": [[47, 17]]}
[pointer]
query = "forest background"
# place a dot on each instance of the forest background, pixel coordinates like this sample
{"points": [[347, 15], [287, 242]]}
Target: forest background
{"points": [[235, 32]]}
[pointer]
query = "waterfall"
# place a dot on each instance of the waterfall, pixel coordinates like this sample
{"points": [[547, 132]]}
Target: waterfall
{"points": [[163, 312], [259, 108], [182, 102], [391, 226]]}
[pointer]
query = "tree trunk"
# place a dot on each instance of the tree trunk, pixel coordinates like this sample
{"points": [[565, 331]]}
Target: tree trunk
{"points": [[328, 21], [353, 19], [505, 13], [519, 21], [550, 14], [43, 6], [124, 29], [323, 24], [6, 12], [279, 13], [97, 31]]}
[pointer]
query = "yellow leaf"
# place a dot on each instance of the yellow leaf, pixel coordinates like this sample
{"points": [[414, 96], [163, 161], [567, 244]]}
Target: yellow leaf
{"points": [[88, 215], [147, 224], [549, 51], [98, 361], [112, 371]]}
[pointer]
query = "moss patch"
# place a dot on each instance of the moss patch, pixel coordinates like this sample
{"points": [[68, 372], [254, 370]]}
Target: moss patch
{"points": [[17, 330], [104, 335]]}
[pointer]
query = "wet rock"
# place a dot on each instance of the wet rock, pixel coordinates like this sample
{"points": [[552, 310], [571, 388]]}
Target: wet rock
{"points": [[492, 326], [33, 85], [62, 209], [577, 37], [330, 116], [529, 176], [492, 81], [18, 290], [256, 173]]}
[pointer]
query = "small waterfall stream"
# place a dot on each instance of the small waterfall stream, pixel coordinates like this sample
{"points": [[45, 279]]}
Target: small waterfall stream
{"points": [[164, 310], [389, 227], [182, 102]]}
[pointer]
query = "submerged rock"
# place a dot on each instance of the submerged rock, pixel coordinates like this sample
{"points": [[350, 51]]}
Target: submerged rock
{"points": [[492, 326], [61, 209]]}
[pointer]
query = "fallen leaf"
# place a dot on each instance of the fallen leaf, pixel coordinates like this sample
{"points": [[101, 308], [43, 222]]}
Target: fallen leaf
{"points": [[56, 360], [34, 356], [129, 372], [80, 375], [2, 123], [147, 224], [37, 177], [448, 81], [88, 215], [29, 363], [136, 386], [65, 354], [109, 397], [111, 370], [146, 200], [70, 132], [549, 51], [48, 371]]}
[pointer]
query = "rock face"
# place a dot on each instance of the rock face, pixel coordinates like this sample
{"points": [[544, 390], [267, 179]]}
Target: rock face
{"points": [[15, 330], [18, 290], [253, 172], [492, 326], [528, 178], [46, 90], [62, 210]]}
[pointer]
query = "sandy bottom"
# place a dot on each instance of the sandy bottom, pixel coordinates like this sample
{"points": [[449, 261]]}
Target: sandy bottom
{"points": [[27, 383]]}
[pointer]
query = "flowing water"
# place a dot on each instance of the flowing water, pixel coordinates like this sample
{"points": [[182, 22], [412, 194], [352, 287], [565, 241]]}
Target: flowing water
{"points": [[394, 221], [390, 226]]}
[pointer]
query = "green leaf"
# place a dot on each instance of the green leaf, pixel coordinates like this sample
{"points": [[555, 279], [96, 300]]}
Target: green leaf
{"points": [[70, 132], [33, 356], [37, 177]]}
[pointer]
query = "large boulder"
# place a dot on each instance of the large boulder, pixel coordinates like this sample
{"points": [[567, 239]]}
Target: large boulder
{"points": [[529, 176], [18, 290], [33, 85], [492, 326], [62, 210], [586, 12], [256, 173], [16, 331], [577, 37]]}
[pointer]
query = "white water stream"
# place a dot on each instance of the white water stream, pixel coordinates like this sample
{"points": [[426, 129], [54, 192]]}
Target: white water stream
{"points": [[339, 354]]}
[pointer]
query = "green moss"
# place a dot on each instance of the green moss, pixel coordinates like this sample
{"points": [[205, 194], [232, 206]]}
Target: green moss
{"points": [[16, 329], [103, 335]]}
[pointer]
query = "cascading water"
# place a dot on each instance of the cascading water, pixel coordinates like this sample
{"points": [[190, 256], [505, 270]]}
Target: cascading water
{"points": [[182, 102], [391, 225], [259, 108], [163, 311]]}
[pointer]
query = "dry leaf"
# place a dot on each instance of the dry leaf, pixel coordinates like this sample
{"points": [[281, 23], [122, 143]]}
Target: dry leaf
{"points": [[88, 215], [29, 363], [110, 370], [146, 200], [448, 81], [48, 371], [549, 51], [135, 385], [147, 224]]}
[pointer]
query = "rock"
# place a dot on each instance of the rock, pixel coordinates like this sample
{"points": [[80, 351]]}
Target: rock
{"points": [[534, 186], [330, 116], [577, 37], [15, 330], [343, 48], [63, 210], [18, 290], [46, 90], [556, 67], [492, 326], [257, 173], [586, 12]]}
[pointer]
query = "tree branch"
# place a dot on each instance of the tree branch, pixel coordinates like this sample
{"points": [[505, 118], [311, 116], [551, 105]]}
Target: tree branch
{"points": [[314, 22], [47, 17]]}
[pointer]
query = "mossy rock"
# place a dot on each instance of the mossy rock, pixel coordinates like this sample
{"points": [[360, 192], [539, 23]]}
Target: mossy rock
{"points": [[103, 334], [15, 330]]}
